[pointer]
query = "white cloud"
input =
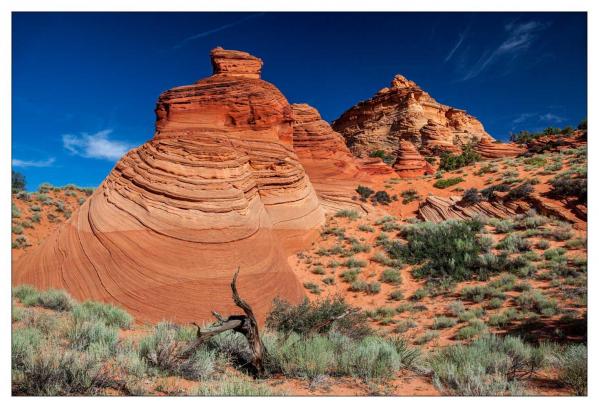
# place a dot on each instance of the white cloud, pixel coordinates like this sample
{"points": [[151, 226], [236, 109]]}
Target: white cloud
{"points": [[519, 37], [33, 163], [96, 145]]}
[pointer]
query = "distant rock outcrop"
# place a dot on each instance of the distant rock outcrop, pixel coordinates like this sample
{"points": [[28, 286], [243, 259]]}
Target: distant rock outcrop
{"points": [[333, 170], [218, 187], [406, 112], [494, 150]]}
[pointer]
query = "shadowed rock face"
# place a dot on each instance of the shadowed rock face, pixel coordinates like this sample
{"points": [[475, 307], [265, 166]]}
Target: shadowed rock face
{"points": [[219, 186], [405, 112]]}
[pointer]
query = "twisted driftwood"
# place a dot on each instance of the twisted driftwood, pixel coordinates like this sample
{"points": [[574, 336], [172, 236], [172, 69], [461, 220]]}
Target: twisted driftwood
{"points": [[245, 324]]}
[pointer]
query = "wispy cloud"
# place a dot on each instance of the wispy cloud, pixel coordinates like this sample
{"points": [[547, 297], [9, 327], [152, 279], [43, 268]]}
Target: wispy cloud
{"points": [[33, 163], [95, 146], [522, 118], [520, 37], [551, 118], [456, 46], [217, 29], [537, 119]]}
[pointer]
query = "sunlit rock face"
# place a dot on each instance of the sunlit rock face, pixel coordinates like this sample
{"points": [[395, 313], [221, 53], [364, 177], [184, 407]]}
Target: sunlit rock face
{"points": [[404, 111], [218, 187], [494, 150], [410, 162]]}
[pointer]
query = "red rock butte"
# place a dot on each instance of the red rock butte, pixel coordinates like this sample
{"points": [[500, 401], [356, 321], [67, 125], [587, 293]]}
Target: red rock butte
{"points": [[217, 187], [405, 112]]}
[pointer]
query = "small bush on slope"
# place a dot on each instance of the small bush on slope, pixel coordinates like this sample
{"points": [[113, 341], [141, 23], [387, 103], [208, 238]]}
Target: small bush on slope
{"points": [[51, 299], [449, 250], [316, 317], [572, 368], [490, 365]]}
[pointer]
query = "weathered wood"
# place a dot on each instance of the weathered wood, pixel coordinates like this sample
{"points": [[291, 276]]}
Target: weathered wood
{"points": [[244, 324]]}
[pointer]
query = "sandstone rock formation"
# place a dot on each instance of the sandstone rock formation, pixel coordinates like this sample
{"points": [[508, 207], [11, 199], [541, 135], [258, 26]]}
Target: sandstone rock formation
{"points": [[406, 112], [409, 162], [437, 209], [495, 150], [219, 186], [333, 170]]}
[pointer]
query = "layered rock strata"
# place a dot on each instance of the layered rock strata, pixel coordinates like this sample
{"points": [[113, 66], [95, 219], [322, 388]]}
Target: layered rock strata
{"points": [[495, 150], [218, 187], [333, 170], [405, 112], [438, 209], [409, 162]]}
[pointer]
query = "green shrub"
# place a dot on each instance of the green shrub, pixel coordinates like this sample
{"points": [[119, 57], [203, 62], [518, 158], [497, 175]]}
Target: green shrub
{"points": [[310, 316], [453, 162], [110, 315], [381, 197], [16, 213], [351, 214], [318, 270], [85, 334], [366, 228], [471, 196], [350, 275], [449, 250], [443, 322], [364, 192], [391, 276], [396, 295], [543, 244], [355, 263], [36, 217], [513, 243], [569, 185], [409, 196], [51, 299], [444, 183], [313, 288], [490, 365], [504, 318], [534, 300], [426, 337], [576, 243], [235, 387], [572, 368]]}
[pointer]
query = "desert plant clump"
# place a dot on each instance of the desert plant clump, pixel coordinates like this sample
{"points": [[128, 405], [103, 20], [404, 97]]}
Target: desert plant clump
{"points": [[490, 365], [409, 196], [391, 275], [572, 368], [364, 192], [351, 214], [471, 196], [444, 251], [570, 185], [454, 162], [311, 317], [444, 183], [381, 197]]}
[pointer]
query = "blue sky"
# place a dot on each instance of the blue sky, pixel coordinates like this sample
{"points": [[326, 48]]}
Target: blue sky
{"points": [[85, 85]]}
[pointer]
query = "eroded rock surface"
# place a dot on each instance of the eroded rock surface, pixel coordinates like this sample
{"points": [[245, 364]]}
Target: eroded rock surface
{"points": [[494, 150], [218, 187], [333, 170], [409, 162], [405, 112]]}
